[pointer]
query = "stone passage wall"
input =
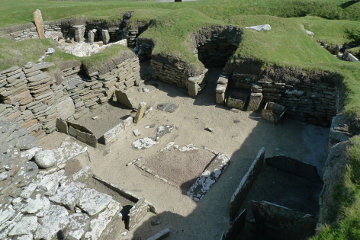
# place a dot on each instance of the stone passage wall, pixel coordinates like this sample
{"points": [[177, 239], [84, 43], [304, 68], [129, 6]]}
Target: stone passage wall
{"points": [[28, 31], [35, 98], [175, 72], [309, 96]]}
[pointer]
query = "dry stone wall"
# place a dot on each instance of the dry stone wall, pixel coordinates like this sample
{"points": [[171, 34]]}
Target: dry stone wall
{"points": [[34, 97], [309, 96]]}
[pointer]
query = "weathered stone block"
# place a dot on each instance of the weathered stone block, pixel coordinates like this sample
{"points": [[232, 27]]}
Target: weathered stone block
{"points": [[105, 36], [66, 108], [79, 33], [110, 135], [62, 126], [82, 134], [236, 103], [137, 212], [254, 101]]}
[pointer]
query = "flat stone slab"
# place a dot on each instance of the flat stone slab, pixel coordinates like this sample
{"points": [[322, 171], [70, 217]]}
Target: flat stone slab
{"points": [[25, 226], [55, 220], [93, 201], [68, 195], [78, 225], [102, 222]]}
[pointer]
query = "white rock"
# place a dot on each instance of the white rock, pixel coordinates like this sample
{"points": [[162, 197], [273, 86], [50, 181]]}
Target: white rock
{"points": [[93, 201], [144, 143], [68, 195], [28, 191], [3, 176], [136, 132], [78, 225], [128, 121], [35, 205], [265, 27], [50, 51], [25, 237], [6, 214], [25, 226], [29, 154], [45, 159], [309, 33], [351, 57], [50, 183], [69, 149], [99, 224], [55, 220]]}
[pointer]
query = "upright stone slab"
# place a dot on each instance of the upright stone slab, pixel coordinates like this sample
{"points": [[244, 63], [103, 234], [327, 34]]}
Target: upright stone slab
{"points": [[105, 36], [246, 182], [91, 36], [79, 33], [140, 112], [39, 23], [254, 101]]}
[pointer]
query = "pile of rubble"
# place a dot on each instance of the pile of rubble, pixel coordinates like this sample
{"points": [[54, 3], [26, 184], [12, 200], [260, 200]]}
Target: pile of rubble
{"points": [[41, 199]]}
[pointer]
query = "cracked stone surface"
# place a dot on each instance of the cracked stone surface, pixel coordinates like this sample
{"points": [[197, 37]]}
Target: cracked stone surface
{"points": [[93, 201], [78, 225], [99, 224], [68, 195], [56, 219], [25, 226]]}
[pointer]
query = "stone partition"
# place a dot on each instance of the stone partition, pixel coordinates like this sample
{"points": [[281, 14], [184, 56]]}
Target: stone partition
{"points": [[246, 182], [309, 96]]}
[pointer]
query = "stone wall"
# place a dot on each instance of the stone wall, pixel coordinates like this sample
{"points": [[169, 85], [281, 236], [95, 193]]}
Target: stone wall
{"points": [[177, 72], [34, 97], [309, 96], [29, 31]]}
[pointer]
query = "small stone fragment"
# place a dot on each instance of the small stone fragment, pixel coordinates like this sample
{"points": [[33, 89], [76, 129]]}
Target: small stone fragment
{"points": [[136, 132], [144, 143], [140, 112]]}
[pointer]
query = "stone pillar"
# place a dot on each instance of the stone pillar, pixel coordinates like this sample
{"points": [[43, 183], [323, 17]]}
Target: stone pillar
{"points": [[222, 83], [256, 97], [91, 35], [105, 36], [39, 23], [79, 33]]}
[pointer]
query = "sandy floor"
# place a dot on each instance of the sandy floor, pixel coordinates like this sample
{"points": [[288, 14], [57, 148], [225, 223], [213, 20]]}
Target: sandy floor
{"points": [[239, 135]]}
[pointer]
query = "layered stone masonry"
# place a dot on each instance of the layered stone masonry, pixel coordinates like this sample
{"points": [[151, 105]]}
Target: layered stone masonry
{"points": [[34, 98], [308, 96]]}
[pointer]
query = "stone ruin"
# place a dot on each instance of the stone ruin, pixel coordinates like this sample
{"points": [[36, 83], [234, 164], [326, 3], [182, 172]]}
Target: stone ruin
{"points": [[41, 198]]}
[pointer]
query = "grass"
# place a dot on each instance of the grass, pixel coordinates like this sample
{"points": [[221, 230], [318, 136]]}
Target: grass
{"points": [[171, 27], [347, 198]]}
